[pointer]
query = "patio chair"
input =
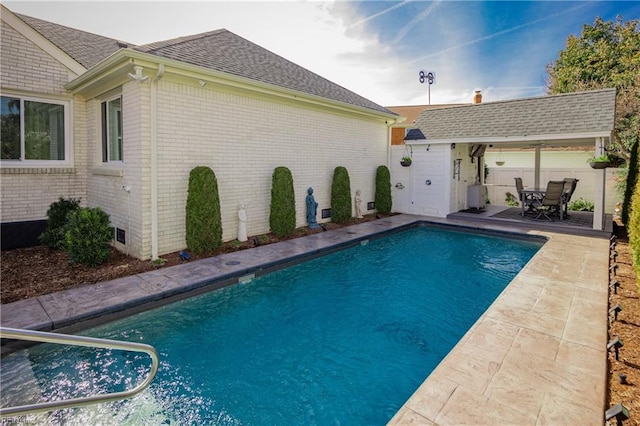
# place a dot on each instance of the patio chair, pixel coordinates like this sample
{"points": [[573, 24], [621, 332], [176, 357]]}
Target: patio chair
{"points": [[569, 188], [552, 201], [529, 203]]}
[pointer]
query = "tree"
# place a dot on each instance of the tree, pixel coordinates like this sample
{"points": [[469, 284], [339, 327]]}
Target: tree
{"points": [[340, 196], [203, 221], [606, 54], [282, 215], [383, 190]]}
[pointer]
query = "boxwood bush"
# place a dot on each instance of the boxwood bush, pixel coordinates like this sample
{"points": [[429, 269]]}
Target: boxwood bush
{"points": [[383, 190], [340, 196], [54, 235], [88, 236], [282, 215], [203, 221]]}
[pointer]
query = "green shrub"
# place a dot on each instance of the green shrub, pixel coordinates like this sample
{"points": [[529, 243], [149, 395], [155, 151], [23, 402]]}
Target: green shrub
{"points": [[383, 190], [54, 236], [633, 230], [632, 178], [282, 216], [580, 205], [88, 236], [511, 200], [203, 221], [340, 196]]}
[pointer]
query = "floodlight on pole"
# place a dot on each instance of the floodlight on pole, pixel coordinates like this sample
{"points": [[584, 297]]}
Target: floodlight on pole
{"points": [[429, 77]]}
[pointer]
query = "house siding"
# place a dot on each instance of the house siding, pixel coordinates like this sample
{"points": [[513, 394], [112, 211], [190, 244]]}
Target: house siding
{"points": [[243, 140], [25, 67], [27, 192]]}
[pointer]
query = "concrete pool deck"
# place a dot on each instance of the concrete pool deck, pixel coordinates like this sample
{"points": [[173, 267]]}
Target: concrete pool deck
{"points": [[536, 356]]}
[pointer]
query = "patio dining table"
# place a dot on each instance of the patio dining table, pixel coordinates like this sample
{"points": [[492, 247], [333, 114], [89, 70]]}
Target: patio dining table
{"points": [[531, 194]]}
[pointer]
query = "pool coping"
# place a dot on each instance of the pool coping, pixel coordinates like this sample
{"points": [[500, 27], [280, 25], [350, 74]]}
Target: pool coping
{"points": [[536, 356]]}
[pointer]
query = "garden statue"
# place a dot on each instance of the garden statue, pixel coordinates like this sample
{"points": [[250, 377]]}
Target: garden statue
{"points": [[312, 206], [358, 202], [242, 224]]}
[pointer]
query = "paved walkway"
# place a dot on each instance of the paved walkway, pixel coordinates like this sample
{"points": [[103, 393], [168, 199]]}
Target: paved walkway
{"points": [[536, 356]]}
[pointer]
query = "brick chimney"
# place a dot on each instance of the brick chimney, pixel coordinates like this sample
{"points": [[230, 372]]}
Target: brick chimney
{"points": [[477, 98]]}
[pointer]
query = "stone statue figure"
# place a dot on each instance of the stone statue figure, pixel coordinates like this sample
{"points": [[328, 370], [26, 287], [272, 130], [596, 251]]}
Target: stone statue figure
{"points": [[358, 203], [312, 207], [242, 224]]}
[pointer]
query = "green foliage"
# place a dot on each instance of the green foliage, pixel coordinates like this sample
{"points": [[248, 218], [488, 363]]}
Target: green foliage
{"points": [[605, 55], [511, 200], [580, 205], [54, 236], [631, 182], [88, 236], [203, 221], [383, 190], [633, 230], [340, 196], [282, 216]]}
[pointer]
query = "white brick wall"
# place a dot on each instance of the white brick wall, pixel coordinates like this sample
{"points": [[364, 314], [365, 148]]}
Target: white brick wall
{"points": [[27, 192], [24, 66], [243, 140]]}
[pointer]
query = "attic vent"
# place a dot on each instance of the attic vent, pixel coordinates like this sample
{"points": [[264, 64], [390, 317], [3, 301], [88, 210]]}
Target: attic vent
{"points": [[122, 44]]}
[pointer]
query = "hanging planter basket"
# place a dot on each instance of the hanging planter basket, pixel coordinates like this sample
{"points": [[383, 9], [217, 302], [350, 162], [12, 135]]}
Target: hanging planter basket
{"points": [[599, 164], [406, 157]]}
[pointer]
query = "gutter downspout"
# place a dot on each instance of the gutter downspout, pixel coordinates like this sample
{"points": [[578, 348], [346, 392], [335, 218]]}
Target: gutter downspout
{"points": [[154, 161]]}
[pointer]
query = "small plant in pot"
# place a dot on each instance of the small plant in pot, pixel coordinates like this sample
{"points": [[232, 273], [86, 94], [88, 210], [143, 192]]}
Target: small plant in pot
{"points": [[406, 161], [600, 162]]}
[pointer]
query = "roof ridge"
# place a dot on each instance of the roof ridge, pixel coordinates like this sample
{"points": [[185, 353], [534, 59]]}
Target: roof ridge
{"points": [[179, 40]]}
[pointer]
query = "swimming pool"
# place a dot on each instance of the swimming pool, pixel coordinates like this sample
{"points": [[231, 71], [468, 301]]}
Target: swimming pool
{"points": [[344, 338]]}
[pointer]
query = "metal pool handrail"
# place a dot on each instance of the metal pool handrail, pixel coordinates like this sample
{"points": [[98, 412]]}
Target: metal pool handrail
{"points": [[91, 342]]}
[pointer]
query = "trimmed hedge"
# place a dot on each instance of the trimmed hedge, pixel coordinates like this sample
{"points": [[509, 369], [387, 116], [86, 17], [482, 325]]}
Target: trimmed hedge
{"points": [[88, 236], [203, 221], [630, 185], [282, 215], [633, 225], [383, 190], [57, 216], [340, 196]]}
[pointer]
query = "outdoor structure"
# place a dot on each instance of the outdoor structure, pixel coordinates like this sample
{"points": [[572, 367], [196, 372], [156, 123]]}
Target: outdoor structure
{"points": [[447, 147], [121, 126]]}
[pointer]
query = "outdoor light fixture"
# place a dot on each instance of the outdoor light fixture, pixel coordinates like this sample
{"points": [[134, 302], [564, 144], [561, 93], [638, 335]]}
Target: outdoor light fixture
{"points": [[616, 344], [620, 413], [614, 268], [427, 77], [615, 284], [138, 75], [615, 309], [614, 255]]}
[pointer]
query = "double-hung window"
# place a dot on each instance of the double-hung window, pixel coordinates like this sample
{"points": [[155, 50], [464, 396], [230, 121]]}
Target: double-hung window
{"points": [[111, 112], [33, 130]]}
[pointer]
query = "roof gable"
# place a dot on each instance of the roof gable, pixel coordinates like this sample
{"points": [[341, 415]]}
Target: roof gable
{"points": [[224, 51], [570, 113], [86, 48]]}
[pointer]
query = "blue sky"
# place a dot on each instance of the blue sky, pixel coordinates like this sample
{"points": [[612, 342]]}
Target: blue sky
{"points": [[374, 48]]}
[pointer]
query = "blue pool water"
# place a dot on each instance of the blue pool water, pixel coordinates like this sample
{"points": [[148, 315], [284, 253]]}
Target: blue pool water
{"points": [[342, 339]]}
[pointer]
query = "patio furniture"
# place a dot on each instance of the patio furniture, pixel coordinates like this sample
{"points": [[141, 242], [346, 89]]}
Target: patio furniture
{"points": [[569, 188], [552, 200], [528, 198]]}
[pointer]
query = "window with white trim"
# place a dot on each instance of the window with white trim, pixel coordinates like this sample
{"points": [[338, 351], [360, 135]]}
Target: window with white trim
{"points": [[33, 130], [111, 113]]}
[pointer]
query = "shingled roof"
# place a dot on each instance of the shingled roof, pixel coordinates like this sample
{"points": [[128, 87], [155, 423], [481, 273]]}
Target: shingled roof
{"points": [[85, 48], [219, 50], [570, 113], [224, 51]]}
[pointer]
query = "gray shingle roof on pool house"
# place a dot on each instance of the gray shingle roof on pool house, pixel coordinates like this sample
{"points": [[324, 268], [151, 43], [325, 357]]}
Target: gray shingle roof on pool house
{"points": [[578, 113]]}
